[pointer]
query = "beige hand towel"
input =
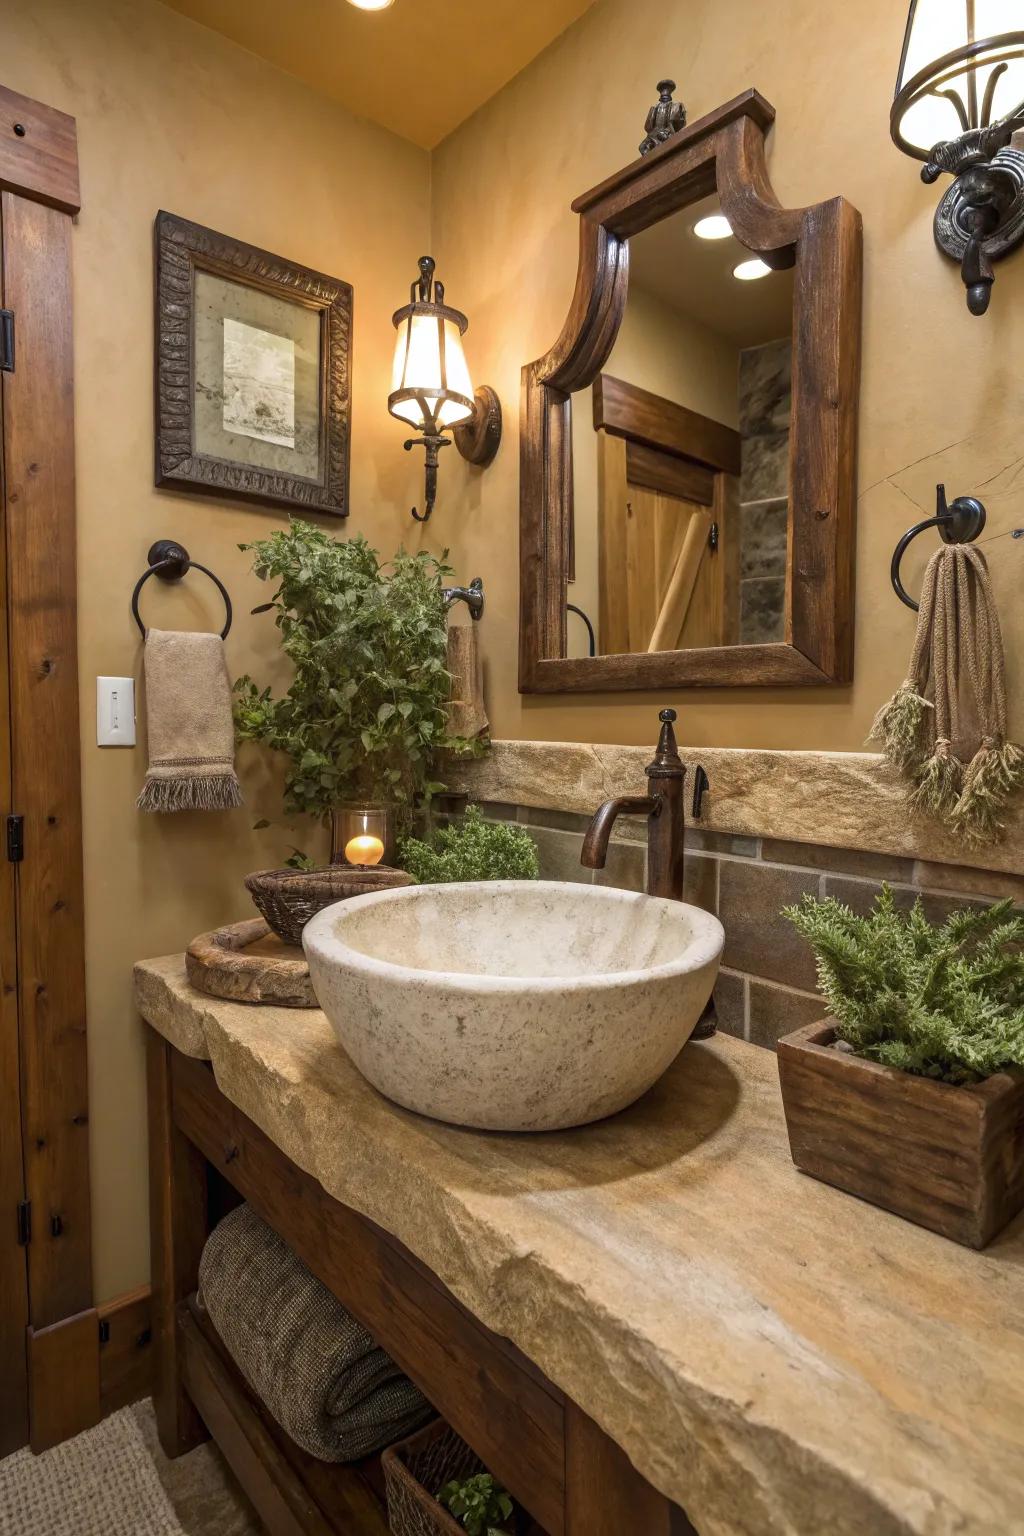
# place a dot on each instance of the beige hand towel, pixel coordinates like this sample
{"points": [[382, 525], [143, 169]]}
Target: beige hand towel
{"points": [[466, 713], [191, 730]]}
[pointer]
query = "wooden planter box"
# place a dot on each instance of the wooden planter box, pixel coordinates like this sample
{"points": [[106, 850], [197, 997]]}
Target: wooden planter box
{"points": [[948, 1158]]}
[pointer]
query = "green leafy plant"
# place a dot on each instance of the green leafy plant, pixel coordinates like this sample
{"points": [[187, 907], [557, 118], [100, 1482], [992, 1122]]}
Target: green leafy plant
{"points": [[366, 713], [480, 1504], [944, 1002], [473, 850]]}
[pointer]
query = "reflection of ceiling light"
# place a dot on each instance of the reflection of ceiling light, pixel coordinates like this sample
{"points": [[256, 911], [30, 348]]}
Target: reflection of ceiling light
{"points": [[371, 5], [747, 271], [714, 227]]}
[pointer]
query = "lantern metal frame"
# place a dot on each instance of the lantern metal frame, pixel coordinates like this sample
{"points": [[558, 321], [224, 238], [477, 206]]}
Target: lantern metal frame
{"points": [[980, 217], [477, 437]]}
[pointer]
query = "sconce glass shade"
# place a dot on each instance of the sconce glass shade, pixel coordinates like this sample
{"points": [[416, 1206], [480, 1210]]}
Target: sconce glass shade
{"points": [[430, 384], [962, 68]]}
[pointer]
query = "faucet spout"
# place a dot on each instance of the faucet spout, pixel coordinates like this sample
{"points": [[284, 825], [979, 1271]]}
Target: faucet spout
{"points": [[663, 808], [595, 844]]}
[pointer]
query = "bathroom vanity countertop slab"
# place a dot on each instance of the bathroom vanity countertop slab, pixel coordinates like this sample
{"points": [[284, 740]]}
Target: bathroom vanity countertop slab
{"points": [[772, 1354]]}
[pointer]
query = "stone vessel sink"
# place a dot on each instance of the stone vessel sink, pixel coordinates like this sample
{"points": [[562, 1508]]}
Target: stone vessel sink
{"points": [[518, 1005]]}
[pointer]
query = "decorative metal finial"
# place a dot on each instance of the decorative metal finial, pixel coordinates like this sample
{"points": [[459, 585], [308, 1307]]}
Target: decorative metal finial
{"points": [[421, 290], [664, 119]]}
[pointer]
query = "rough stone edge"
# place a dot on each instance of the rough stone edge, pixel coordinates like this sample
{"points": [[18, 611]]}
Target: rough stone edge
{"points": [[837, 799], [744, 1456]]}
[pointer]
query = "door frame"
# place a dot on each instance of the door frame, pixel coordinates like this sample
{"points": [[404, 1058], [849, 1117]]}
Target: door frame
{"points": [[39, 196]]}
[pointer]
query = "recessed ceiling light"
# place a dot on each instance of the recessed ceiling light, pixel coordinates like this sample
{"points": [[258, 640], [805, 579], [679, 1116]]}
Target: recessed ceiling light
{"points": [[371, 5], [748, 271], [714, 227]]}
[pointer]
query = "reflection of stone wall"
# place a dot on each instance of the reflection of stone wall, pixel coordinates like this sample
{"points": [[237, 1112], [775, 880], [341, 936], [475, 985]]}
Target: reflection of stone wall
{"points": [[764, 375]]}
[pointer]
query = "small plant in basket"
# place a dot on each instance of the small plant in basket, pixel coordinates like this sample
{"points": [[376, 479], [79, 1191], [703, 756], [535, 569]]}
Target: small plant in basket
{"points": [[479, 1504]]}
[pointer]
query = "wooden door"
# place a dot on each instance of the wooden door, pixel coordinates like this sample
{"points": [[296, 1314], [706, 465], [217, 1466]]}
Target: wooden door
{"points": [[48, 1328], [668, 524], [13, 1264]]}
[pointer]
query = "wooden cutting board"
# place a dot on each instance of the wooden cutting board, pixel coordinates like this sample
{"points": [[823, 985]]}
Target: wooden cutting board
{"points": [[247, 963]]}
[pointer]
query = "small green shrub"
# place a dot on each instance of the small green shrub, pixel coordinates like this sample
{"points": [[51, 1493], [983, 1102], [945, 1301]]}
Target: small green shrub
{"points": [[474, 850], [479, 1504], [942, 1002], [366, 713]]}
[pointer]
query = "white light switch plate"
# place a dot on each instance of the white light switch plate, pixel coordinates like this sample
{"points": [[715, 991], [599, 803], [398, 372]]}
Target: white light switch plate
{"points": [[115, 712]]}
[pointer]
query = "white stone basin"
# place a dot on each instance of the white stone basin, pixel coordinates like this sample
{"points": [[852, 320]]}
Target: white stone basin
{"points": [[513, 1005]]}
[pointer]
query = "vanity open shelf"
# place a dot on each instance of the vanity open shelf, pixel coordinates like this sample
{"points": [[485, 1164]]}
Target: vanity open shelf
{"points": [[205, 1155], [651, 1314]]}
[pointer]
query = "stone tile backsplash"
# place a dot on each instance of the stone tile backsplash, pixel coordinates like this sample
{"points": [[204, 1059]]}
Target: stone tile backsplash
{"points": [[766, 986]]}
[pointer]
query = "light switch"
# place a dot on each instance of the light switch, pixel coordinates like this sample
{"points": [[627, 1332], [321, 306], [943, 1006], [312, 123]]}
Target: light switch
{"points": [[115, 712]]}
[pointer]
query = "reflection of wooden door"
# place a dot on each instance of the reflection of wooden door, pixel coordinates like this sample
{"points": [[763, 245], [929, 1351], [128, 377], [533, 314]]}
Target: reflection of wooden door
{"points": [[668, 535]]}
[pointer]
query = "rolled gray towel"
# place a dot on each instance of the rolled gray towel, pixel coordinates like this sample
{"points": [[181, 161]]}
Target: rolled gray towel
{"points": [[325, 1380]]}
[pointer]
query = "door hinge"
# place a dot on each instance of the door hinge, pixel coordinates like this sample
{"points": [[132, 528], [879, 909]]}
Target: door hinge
{"points": [[15, 839], [6, 340], [24, 1222]]}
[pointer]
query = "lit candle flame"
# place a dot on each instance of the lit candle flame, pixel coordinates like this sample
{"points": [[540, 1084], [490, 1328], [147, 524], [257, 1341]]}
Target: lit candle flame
{"points": [[364, 850]]}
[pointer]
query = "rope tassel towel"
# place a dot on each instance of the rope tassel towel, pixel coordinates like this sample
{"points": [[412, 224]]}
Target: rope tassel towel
{"points": [[191, 730], [944, 729]]}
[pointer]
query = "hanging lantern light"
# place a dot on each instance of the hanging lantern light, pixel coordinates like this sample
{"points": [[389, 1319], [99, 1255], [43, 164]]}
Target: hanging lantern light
{"points": [[431, 388]]}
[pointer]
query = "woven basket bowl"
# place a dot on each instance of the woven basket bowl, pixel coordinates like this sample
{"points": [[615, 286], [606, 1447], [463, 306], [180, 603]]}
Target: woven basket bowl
{"points": [[415, 1471], [288, 898]]}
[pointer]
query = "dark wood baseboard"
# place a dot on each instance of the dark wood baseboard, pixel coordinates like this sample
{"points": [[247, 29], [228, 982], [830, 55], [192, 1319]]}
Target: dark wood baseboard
{"points": [[126, 1349], [87, 1366], [63, 1379]]}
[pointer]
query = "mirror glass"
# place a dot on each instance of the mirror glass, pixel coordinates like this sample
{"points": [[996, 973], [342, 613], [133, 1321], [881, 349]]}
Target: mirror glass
{"points": [[680, 452]]}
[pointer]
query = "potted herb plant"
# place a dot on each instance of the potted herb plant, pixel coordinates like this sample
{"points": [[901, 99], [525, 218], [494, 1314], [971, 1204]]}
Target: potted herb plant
{"points": [[474, 849], [365, 714], [911, 1095]]}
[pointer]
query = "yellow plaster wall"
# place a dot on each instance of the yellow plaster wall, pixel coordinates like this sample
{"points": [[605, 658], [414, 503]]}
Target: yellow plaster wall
{"points": [[173, 116], [941, 391]]}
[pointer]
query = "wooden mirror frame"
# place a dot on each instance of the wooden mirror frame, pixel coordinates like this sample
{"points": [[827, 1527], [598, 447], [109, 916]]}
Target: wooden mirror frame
{"points": [[725, 152]]}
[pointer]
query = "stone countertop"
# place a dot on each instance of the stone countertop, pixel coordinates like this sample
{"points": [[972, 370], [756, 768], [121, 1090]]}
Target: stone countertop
{"points": [[774, 1355]]}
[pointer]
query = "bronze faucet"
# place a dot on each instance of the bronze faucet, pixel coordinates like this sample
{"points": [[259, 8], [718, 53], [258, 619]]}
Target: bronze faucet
{"points": [[665, 829], [663, 808]]}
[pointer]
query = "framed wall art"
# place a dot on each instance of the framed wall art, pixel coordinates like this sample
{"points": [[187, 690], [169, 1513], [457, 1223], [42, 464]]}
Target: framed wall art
{"points": [[253, 362]]}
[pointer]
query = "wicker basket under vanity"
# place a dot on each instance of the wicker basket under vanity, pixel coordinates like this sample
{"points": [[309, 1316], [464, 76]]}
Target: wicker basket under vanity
{"points": [[415, 1471], [288, 898]]}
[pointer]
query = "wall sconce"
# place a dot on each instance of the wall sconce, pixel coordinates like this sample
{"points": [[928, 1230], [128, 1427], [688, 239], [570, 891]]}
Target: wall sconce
{"points": [[959, 100], [431, 387]]}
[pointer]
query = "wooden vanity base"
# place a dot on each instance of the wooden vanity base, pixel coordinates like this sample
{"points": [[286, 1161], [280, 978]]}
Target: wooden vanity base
{"points": [[204, 1154]]}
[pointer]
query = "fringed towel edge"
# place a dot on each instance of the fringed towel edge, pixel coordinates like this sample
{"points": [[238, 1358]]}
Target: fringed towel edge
{"points": [[198, 792]]}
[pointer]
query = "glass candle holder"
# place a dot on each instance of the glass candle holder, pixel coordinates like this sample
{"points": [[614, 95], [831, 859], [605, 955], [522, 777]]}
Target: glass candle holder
{"points": [[363, 835]]}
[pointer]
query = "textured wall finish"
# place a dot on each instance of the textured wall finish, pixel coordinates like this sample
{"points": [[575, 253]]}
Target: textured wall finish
{"points": [[839, 799], [173, 116], [938, 395], [766, 986]]}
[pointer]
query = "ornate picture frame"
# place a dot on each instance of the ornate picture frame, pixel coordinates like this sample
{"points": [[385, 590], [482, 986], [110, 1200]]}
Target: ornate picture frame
{"points": [[253, 370]]}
